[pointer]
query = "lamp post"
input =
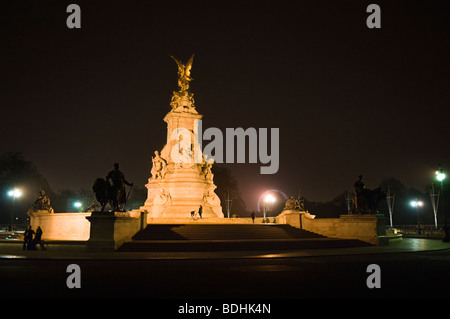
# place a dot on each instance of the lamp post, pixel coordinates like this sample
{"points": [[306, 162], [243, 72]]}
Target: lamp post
{"points": [[417, 203], [15, 193], [348, 201], [390, 201], [269, 199], [228, 200], [434, 197], [440, 176]]}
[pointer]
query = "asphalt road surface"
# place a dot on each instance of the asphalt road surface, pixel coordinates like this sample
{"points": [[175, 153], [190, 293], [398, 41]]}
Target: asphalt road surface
{"points": [[401, 276]]}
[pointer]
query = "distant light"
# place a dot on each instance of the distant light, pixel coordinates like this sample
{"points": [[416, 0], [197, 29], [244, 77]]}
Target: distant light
{"points": [[270, 198], [440, 175], [416, 203], [16, 193], [77, 204]]}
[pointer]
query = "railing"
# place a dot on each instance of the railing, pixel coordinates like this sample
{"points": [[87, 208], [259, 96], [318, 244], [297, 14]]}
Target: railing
{"points": [[420, 231]]}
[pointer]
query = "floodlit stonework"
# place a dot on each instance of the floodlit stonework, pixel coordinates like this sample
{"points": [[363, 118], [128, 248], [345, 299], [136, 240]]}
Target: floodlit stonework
{"points": [[181, 178]]}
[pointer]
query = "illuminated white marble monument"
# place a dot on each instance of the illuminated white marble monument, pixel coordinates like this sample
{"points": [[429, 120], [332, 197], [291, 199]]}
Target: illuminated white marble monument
{"points": [[181, 179]]}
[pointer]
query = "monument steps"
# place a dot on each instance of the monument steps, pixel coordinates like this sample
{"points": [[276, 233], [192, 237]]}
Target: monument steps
{"points": [[207, 237], [221, 232]]}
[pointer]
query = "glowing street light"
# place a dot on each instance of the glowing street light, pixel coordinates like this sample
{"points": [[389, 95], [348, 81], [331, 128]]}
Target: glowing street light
{"points": [[15, 193], [77, 205], [269, 199], [440, 175], [417, 204]]}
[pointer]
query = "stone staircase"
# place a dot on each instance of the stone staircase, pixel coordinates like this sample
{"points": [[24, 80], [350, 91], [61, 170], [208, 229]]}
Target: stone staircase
{"points": [[231, 237]]}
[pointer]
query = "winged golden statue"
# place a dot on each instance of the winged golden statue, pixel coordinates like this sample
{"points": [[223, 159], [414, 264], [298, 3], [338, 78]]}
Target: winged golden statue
{"points": [[184, 73]]}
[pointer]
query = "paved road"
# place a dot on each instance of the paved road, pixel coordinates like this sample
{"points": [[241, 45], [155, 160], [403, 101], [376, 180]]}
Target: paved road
{"points": [[403, 275]]}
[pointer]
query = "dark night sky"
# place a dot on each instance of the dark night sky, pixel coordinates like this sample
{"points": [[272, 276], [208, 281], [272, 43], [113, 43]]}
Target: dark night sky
{"points": [[348, 100]]}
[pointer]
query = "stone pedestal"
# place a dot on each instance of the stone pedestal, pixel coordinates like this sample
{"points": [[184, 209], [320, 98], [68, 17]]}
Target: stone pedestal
{"points": [[294, 217], [102, 231], [110, 230]]}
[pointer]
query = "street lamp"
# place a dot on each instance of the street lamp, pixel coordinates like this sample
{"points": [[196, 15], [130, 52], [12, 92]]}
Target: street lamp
{"points": [[440, 176], [417, 203], [77, 205], [269, 199], [390, 198], [15, 193]]}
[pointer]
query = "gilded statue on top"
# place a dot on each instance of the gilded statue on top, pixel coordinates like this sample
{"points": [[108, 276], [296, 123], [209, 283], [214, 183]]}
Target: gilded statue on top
{"points": [[184, 73], [183, 101]]}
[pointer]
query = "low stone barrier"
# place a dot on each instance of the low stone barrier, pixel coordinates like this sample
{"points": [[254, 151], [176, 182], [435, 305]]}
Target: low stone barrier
{"points": [[102, 231], [61, 226], [369, 228]]}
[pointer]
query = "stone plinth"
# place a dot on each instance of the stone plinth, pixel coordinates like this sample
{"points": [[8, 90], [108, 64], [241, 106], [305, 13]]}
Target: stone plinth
{"points": [[109, 231], [293, 217]]}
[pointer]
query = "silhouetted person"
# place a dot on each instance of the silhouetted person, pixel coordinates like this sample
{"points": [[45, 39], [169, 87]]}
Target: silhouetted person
{"points": [[253, 217], [28, 238], [38, 239], [200, 211]]}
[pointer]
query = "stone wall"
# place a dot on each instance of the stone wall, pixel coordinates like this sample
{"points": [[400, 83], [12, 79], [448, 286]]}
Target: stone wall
{"points": [[369, 228], [61, 226], [77, 226]]}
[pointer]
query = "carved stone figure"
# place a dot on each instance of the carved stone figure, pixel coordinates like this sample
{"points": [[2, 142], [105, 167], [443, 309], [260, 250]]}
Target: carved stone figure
{"points": [[294, 204], [42, 202], [206, 168], [300, 203], [211, 198], [164, 197], [290, 204], [184, 147], [159, 168]]}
